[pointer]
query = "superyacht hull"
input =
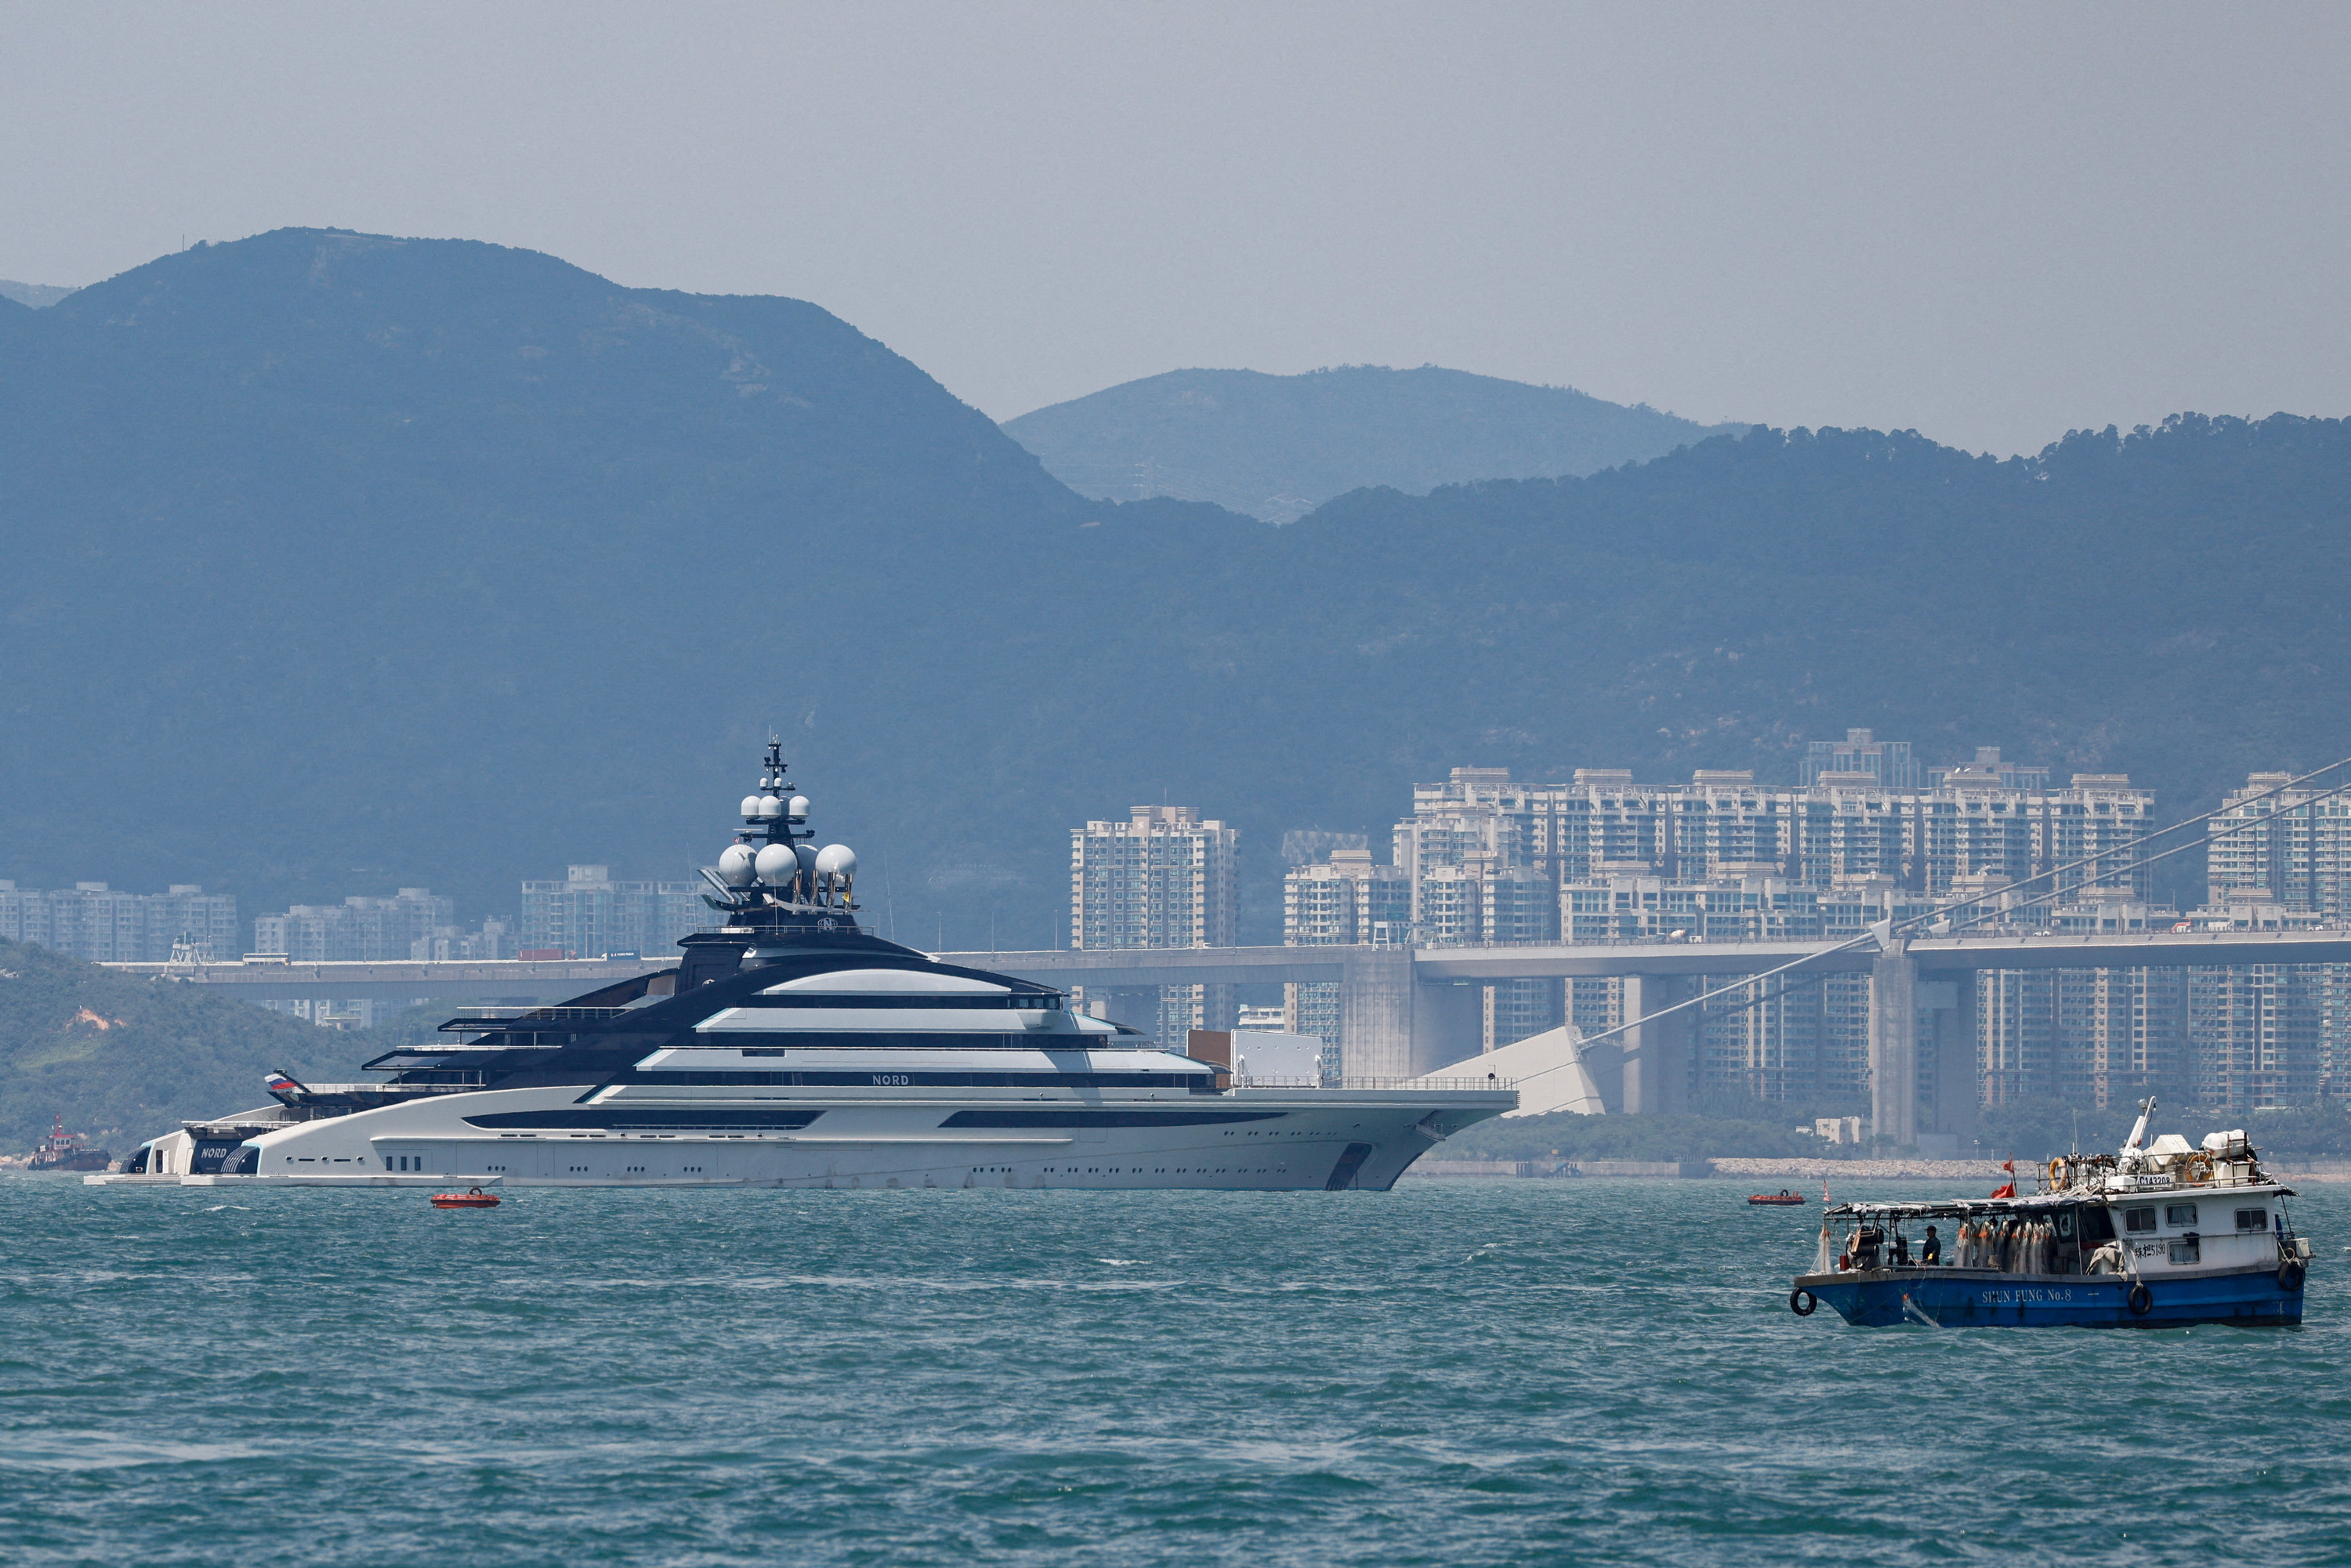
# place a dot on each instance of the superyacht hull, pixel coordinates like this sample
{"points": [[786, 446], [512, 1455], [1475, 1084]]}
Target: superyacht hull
{"points": [[1240, 1140]]}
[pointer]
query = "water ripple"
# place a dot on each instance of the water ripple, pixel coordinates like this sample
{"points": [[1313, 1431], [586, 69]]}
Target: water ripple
{"points": [[1455, 1373]]}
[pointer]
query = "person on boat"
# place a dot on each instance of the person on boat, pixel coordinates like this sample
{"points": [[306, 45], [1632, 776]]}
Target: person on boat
{"points": [[1930, 1251]]}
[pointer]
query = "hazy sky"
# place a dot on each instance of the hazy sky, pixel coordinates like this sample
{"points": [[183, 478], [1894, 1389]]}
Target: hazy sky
{"points": [[1986, 222]]}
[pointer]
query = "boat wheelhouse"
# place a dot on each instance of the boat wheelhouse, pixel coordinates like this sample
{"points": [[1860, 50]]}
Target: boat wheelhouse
{"points": [[791, 1047], [2158, 1236]]}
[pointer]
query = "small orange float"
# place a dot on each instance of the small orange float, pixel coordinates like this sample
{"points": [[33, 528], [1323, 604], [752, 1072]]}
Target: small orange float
{"points": [[472, 1197]]}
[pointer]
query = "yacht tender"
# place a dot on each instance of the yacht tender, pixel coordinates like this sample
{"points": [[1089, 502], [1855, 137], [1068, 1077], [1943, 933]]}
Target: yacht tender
{"points": [[791, 1048]]}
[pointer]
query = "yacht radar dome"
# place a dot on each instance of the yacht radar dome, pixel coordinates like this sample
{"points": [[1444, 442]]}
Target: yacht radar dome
{"points": [[799, 810], [736, 865], [770, 807], [750, 808], [836, 863], [778, 865]]}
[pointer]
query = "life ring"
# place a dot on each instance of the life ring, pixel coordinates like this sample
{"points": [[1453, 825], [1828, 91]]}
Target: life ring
{"points": [[2057, 1176], [1803, 1302], [2290, 1275], [2139, 1300], [2199, 1168]]}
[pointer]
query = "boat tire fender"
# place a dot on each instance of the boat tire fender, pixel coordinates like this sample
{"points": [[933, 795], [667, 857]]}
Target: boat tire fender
{"points": [[2139, 1300], [2290, 1275], [1803, 1302]]}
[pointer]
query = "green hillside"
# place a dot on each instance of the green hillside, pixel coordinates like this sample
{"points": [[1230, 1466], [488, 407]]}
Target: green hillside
{"points": [[1275, 448], [124, 1060]]}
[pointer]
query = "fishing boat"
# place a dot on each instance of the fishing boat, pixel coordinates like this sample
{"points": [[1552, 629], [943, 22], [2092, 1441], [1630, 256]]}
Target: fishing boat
{"points": [[2158, 1234], [1782, 1199], [63, 1151]]}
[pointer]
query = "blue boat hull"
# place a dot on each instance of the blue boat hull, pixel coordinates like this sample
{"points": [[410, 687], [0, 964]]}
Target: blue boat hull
{"points": [[1971, 1297]]}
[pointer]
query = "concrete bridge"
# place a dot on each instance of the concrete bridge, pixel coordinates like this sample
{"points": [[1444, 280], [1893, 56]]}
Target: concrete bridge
{"points": [[1408, 1010]]}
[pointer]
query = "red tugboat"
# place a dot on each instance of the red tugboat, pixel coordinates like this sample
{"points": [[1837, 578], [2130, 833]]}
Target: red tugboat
{"points": [[1782, 1199], [63, 1151]]}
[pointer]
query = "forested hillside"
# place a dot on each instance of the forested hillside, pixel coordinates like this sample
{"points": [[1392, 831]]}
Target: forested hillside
{"points": [[338, 565], [124, 1060], [1275, 448]]}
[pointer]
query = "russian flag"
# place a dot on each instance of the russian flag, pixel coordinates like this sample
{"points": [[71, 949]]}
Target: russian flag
{"points": [[282, 1083]]}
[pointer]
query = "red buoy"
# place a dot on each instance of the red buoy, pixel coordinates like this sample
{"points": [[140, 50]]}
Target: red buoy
{"points": [[472, 1197]]}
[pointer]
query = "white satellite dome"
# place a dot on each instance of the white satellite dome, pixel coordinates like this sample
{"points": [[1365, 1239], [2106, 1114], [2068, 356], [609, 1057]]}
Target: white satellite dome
{"points": [[770, 807], [777, 864], [735, 865], [750, 808], [807, 856], [836, 863], [799, 810]]}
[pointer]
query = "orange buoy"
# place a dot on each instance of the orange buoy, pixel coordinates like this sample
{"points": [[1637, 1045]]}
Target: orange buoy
{"points": [[472, 1197]]}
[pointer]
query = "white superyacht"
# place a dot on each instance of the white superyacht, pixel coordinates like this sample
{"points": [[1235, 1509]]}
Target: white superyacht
{"points": [[791, 1048]]}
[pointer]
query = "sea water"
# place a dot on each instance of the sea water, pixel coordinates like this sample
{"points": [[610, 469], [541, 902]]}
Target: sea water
{"points": [[1452, 1373]]}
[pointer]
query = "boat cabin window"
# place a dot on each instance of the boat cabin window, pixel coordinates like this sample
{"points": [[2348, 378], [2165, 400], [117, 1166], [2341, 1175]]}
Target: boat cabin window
{"points": [[2181, 1214], [2137, 1219], [2097, 1227], [2252, 1220], [2186, 1249], [2064, 1225]]}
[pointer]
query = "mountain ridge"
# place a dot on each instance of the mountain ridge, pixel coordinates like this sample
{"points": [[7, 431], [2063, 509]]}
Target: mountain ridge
{"points": [[323, 586], [1274, 447]]}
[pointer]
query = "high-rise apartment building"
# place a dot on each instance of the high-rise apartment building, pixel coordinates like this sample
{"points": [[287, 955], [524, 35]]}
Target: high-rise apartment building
{"points": [[1886, 763], [1345, 901], [358, 930], [1165, 877], [2291, 848], [590, 913], [1840, 826], [100, 925], [1722, 857], [1988, 768]]}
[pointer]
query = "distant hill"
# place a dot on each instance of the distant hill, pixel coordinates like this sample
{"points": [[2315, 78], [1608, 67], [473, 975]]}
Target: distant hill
{"points": [[125, 1060], [1275, 448], [36, 295], [337, 564], [374, 562]]}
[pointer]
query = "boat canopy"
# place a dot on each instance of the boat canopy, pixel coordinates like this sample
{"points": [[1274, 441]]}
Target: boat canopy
{"points": [[2038, 1203]]}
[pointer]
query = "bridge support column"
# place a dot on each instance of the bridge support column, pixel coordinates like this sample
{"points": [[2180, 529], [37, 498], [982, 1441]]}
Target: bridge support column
{"points": [[1448, 1023], [1657, 1054], [1893, 1048], [1959, 1083], [1375, 1014]]}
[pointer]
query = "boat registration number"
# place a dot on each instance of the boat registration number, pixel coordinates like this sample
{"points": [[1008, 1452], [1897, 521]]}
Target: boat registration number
{"points": [[2021, 1297]]}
